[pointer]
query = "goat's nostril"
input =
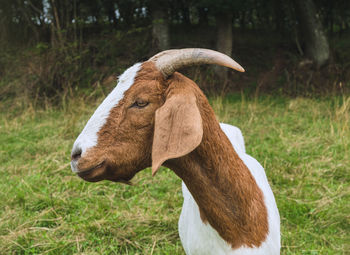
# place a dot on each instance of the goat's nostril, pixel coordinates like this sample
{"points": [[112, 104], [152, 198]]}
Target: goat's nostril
{"points": [[76, 155]]}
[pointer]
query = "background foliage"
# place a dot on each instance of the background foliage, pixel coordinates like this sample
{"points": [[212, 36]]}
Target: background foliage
{"points": [[52, 48]]}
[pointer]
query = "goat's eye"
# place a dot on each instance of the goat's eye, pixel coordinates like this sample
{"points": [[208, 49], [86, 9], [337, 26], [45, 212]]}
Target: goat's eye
{"points": [[140, 104]]}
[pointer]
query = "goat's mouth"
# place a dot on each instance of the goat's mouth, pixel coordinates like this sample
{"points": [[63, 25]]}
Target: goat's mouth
{"points": [[106, 171], [90, 174], [124, 180]]}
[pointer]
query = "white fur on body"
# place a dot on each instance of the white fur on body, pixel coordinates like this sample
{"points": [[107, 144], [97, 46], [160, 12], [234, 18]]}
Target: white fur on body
{"points": [[235, 136], [199, 238]]}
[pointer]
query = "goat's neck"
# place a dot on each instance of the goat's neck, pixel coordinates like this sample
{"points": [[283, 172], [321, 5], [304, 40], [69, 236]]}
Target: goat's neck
{"points": [[223, 187]]}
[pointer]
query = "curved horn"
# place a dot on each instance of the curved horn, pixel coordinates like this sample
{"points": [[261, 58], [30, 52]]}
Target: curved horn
{"points": [[171, 60]]}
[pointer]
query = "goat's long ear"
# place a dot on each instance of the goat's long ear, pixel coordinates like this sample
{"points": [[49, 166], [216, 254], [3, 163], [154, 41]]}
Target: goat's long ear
{"points": [[178, 129]]}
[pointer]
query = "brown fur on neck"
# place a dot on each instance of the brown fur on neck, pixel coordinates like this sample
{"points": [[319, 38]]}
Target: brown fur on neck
{"points": [[221, 184]]}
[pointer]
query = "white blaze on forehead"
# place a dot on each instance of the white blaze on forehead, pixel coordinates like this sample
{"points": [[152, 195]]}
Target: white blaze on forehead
{"points": [[88, 137]]}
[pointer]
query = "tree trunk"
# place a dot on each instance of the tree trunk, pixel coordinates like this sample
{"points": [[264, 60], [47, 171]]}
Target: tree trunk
{"points": [[185, 12], [316, 44], [203, 16], [224, 41], [126, 10], [57, 29], [160, 28], [279, 16]]}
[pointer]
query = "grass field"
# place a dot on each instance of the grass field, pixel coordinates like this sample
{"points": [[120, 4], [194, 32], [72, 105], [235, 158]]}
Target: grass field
{"points": [[304, 145]]}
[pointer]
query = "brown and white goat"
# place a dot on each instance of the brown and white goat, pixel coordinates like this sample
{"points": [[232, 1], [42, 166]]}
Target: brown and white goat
{"points": [[156, 116]]}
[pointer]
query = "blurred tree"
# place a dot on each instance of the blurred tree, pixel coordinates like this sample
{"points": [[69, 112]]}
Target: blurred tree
{"points": [[316, 43], [126, 9], [160, 25], [21, 20], [224, 39], [223, 12], [109, 8], [76, 27], [203, 14]]}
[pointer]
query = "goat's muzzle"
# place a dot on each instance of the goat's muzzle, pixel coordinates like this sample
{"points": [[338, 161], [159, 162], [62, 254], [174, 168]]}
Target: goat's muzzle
{"points": [[90, 173]]}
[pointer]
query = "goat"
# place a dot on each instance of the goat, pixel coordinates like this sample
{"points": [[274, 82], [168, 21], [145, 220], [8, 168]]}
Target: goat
{"points": [[156, 116], [234, 134]]}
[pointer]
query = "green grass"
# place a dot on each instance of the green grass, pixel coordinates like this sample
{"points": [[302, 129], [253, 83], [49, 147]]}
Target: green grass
{"points": [[304, 145]]}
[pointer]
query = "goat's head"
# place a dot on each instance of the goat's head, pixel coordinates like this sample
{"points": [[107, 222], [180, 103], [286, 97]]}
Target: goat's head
{"points": [[151, 116]]}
